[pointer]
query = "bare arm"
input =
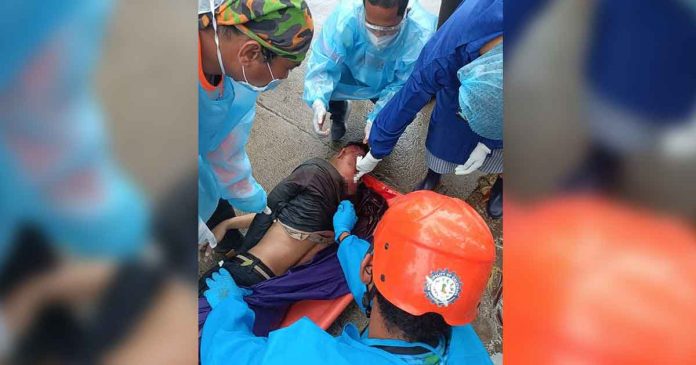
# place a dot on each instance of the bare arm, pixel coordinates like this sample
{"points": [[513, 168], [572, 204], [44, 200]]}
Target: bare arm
{"points": [[74, 283], [240, 222]]}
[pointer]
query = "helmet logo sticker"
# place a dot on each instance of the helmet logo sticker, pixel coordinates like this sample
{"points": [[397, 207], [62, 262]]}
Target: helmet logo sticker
{"points": [[442, 287]]}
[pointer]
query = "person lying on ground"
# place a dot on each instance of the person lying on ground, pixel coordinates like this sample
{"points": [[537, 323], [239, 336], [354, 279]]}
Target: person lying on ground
{"points": [[300, 224], [419, 310]]}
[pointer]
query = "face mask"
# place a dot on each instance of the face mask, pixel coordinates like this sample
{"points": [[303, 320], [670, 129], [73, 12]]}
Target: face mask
{"points": [[270, 86], [207, 6], [381, 42], [381, 36]]}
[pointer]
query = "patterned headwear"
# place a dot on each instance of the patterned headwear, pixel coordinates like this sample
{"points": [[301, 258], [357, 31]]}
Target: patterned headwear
{"points": [[283, 26]]}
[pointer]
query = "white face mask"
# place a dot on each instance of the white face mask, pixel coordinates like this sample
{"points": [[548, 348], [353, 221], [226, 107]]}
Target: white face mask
{"points": [[259, 89], [206, 6], [381, 41], [386, 34], [271, 85]]}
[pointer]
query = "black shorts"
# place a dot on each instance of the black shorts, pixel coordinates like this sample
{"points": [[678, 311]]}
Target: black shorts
{"points": [[245, 268]]}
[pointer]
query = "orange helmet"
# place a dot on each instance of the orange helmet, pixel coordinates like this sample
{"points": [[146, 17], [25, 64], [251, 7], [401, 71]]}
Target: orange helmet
{"points": [[433, 253]]}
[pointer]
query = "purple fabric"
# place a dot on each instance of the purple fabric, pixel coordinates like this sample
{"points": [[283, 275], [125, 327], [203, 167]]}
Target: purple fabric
{"points": [[203, 311], [322, 278]]}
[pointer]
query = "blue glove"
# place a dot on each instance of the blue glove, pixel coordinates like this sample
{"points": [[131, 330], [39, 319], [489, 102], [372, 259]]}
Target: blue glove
{"points": [[344, 219], [350, 254], [221, 286]]}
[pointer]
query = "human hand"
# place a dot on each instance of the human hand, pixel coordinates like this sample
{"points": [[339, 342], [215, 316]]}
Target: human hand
{"points": [[368, 128], [319, 117], [221, 286], [365, 164], [476, 158], [344, 219]]}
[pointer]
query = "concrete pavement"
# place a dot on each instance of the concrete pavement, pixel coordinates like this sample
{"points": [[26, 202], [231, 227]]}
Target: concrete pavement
{"points": [[283, 137]]}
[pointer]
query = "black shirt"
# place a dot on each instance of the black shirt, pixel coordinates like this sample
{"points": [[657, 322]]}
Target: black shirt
{"points": [[306, 200]]}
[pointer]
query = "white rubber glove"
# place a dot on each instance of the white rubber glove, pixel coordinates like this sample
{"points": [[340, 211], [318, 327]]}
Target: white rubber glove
{"points": [[319, 117], [365, 164], [206, 239], [368, 128], [205, 236], [476, 158], [678, 143]]}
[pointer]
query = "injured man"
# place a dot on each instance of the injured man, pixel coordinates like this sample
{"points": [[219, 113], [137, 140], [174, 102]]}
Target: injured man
{"points": [[299, 226], [288, 255]]}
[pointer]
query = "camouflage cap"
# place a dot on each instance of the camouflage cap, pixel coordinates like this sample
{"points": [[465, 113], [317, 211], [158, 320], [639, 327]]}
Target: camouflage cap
{"points": [[283, 26]]}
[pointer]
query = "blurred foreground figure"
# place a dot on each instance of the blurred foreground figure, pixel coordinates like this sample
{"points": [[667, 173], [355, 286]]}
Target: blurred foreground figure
{"points": [[587, 108], [419, 284], [589, 281], [637, 103], [73, 228], [57, 167]]}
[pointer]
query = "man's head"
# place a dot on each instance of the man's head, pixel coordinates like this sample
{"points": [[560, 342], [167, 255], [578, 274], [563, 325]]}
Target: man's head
{"points": [[385, 13], [431, 259], [259, 40], [344, 161], [383, 19], [427, 328]]}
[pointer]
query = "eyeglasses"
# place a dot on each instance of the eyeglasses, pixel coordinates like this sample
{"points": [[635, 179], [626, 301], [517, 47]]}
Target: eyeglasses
{"points": [[379, 30]]}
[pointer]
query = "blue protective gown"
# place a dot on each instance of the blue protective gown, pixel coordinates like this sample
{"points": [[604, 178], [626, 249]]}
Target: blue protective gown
{"points": [[225, 117], [345, 65], [227, 334], [57, 168], [454, 45]]}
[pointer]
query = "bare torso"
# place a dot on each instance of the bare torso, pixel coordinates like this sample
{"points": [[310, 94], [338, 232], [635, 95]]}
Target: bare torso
{"points": [[280, 252]]}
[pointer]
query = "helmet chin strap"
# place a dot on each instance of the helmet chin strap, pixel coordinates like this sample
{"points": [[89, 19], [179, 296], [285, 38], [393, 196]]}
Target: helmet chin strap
{"points": [[369, 292], [367, 299]]}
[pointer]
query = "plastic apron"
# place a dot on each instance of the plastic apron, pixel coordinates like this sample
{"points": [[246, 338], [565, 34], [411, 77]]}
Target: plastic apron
{"points": [[217, 118], [366, 71]]}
